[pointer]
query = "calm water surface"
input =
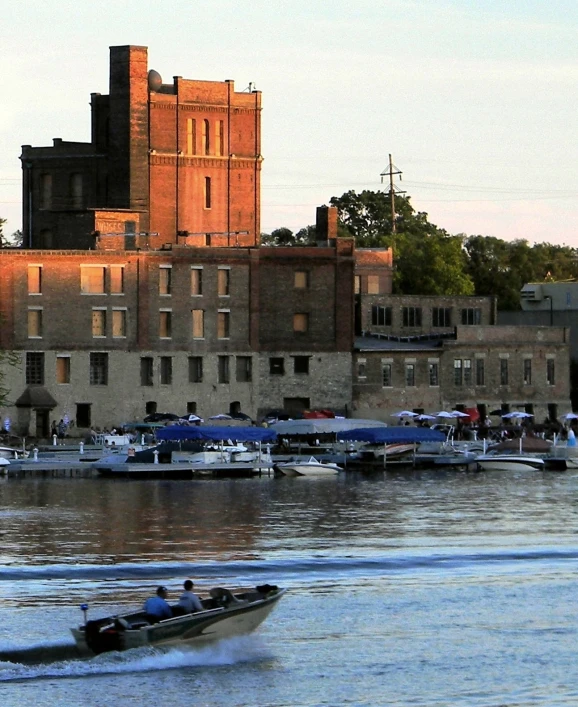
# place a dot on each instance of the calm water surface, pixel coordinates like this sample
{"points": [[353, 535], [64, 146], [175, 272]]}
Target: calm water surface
{"points": [[414, 589]]}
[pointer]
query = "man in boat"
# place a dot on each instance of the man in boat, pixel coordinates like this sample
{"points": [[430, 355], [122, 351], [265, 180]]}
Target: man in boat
{"points": [[189, 601], [157, 607]]}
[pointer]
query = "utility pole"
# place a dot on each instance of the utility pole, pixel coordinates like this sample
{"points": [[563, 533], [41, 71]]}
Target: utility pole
{"points": [[392, 169]]}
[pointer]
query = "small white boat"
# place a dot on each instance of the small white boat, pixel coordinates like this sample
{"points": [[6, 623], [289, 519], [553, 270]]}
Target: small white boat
{"points": [[509, 462], [308, 467], [224, 615]]}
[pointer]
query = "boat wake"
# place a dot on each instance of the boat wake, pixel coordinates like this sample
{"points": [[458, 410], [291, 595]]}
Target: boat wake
{"points": [[243, 649]]}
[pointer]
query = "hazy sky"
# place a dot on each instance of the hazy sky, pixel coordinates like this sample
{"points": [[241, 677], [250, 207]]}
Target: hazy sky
{"points": [[475, 99]]}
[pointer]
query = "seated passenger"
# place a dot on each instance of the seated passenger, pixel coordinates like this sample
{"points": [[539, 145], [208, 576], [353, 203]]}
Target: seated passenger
{"points": [[189, 601], [156, 607]]}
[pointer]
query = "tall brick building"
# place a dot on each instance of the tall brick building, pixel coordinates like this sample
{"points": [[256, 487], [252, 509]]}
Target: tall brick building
{"points": [[178, 162]]}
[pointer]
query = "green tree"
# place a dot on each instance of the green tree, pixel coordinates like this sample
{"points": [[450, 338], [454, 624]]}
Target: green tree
{"points": [[286, 237]]}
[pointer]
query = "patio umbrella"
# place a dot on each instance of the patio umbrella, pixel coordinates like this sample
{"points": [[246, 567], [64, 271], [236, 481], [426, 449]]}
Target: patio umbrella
{"points": [[570, 416], [423, 417], [457, 413], [517, 415], [405, 413], [444, 413]]}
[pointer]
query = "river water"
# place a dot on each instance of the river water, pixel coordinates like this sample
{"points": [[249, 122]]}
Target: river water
{"points": [[406, 588]]}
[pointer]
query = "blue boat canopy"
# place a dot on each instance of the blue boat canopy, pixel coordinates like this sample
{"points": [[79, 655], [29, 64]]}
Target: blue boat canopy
{"points": [[393, 435], [217, 433]]}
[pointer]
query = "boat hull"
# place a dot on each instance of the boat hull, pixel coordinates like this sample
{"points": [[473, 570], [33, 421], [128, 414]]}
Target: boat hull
{"points": [[509, 463], [305, 469]]}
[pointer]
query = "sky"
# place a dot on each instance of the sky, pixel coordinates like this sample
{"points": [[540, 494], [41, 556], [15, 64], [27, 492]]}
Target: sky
{"points": [[476, 100]]}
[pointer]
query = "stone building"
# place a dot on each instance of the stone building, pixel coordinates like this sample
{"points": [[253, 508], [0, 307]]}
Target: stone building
{"points": [[165, 163]]}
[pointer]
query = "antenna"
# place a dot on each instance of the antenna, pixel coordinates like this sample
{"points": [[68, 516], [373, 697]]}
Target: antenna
{"points": [[393, 190]]}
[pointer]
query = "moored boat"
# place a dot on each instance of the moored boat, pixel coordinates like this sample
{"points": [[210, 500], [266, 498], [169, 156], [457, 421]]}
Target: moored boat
{"points": [[509, 462], [224, 615], [308, 467]]}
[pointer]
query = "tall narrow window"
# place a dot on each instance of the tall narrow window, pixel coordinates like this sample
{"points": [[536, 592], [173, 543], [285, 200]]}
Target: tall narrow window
{"points": [[441, 316], [196, 281], [504, 377], [223, 363], [191, 136], [198, 317], [301, 280], [550, 371], [207, 194], [35, 279], [411, 316], [206, 137], [223, 322], [34, 323], [219, 137], [46, 191], [116, 280], [386, 379], [92, 279], [434, 374], [458, 372], [410, 375], [527, 371], [195, 369], [223, 282], [165, 324], [166, 370], [63, 369], [301, 365], [35, 368], [373, 285], [98, 369], [76, 190], [467, 371], [480, 372], [98, 322], [119, 323], [165, 277], [244, 369], [146, 370], [301, 322]]}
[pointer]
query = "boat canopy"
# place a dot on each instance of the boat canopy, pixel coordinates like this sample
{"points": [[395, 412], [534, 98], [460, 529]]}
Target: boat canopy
{"points": [[393, 435], [214, 433], [322, 426]]}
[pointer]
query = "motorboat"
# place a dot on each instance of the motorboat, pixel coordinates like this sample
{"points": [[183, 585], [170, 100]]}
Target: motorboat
{"points": [[510, 462], [225, 614], [308, 467]]}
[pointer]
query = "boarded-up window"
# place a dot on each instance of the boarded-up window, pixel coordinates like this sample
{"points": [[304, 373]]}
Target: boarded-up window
{"points": [[165, 324], [99, 322], [198, 324], [301, 322], [116, 280], [119, 322], [63, 369], [223, 324], [165, 273], [301, 279], [196, 281], [35, 279], [219, 137], [191, 136], [35, 323], [223, 281], [373, 284], [92, 279]]}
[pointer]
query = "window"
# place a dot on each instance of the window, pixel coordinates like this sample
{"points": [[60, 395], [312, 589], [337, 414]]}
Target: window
{"points": [[504, 371], [146, 370], [92, 279], [223, 282], [98, 369], [357, 285], [441, 316], [63, 369], [45, 191], [116, 280], [480, 372], [129, 229], [76, 190], [119, 323], [223, 317], [150, 407], [196, 282], [98, 322], [380, 316], [550, 371], [361, 368], [411, 316], [244, 369], [35, 368], [386, 378], [467, 371], [373, 285], [219, 137], [35, 279], [206, 137], [301, 279], [198, 316], [166, 370], [458, 372], [223, 369], [165, 323], [471, 316], [195, 369], [301, 365], [34, 323], [191, 136], [434, 374], [165, 276], [83, 416], [410, 375], [207, 194], [301, 323], [276, 366], [527, 371]]}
